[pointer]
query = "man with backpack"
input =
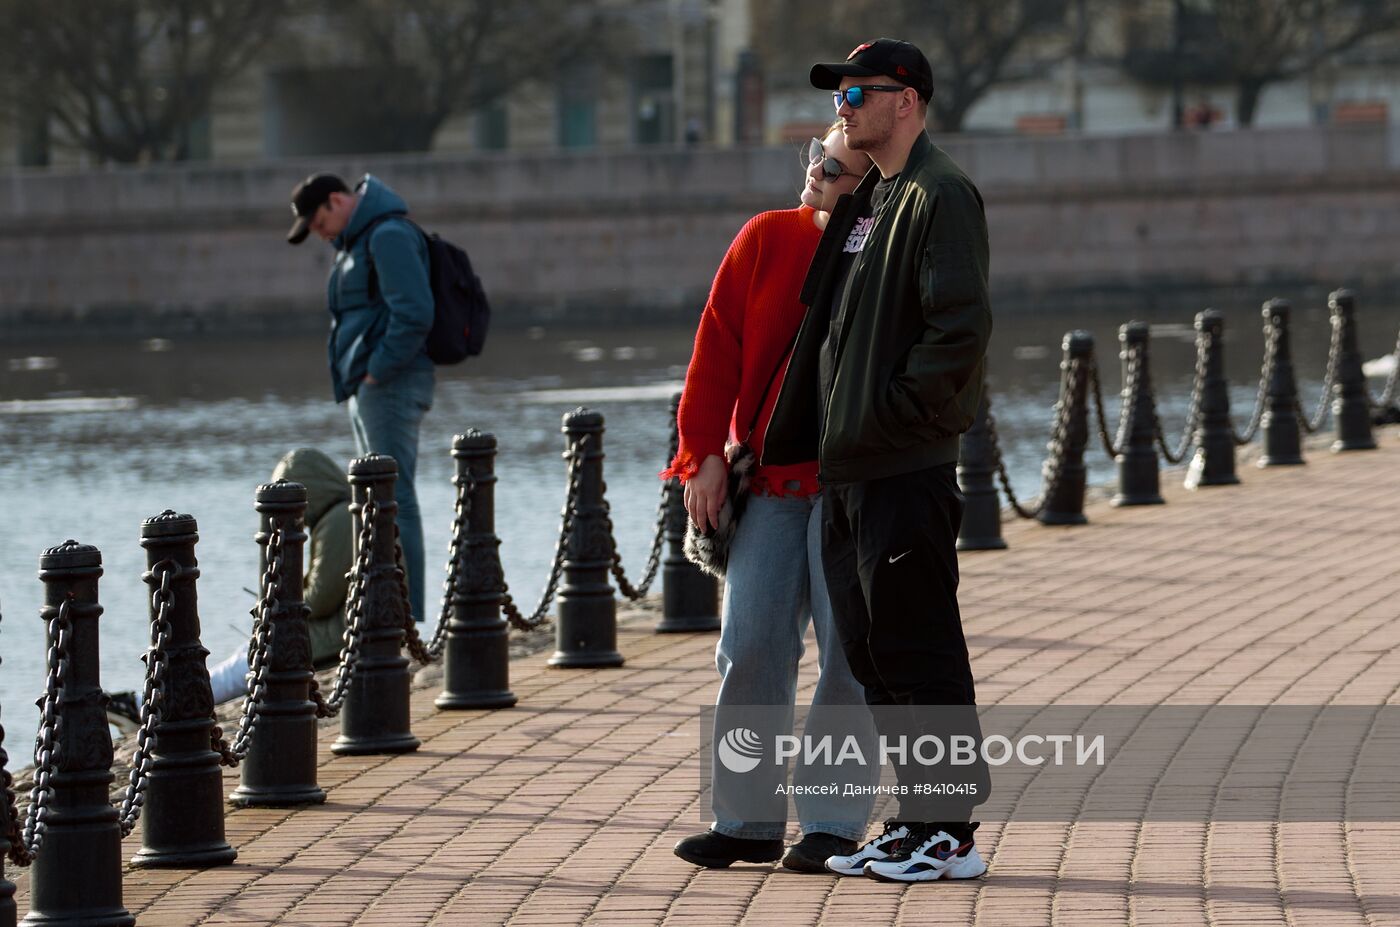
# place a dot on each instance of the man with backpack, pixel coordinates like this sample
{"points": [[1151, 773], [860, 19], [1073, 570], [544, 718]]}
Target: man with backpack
{"points": [[380, 296]]}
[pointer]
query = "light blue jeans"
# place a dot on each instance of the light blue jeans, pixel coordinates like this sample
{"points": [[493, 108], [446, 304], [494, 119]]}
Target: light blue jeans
{"points": [[386, 418], [774, 586]]}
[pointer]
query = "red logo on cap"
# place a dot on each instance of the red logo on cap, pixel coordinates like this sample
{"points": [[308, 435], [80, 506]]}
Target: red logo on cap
{"points": [[858, 49], [899, 69]]}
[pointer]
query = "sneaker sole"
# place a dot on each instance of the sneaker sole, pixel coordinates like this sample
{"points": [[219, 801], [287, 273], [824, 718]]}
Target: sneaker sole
{"points": [[928, 875], [848, 870]]}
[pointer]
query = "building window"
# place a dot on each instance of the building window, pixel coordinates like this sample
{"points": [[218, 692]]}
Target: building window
{"points": [[493, 126], [578, 107], [653, 111]]}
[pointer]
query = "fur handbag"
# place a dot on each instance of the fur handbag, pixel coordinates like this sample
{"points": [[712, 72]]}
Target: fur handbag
{"points": [[709, 550]]}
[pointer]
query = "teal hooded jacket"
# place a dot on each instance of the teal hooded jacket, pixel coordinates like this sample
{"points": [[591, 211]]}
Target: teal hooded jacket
{"points": [[380, 317]]}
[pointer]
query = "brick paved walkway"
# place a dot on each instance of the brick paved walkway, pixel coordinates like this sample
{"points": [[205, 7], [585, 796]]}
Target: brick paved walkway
{"points": [[564, 809]]}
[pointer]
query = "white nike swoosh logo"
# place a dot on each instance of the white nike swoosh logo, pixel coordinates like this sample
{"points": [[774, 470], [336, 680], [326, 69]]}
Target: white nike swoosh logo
{"points": [[901, 556]]}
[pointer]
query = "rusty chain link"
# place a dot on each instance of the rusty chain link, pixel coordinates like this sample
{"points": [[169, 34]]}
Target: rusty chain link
{"points": [[431, 651], [1266, 371], [48, 742], [329, 706], [653, 558], [1329, 378], [259, 647], [1059, 433], [153, 700], [1193, 408], [566, 528]]}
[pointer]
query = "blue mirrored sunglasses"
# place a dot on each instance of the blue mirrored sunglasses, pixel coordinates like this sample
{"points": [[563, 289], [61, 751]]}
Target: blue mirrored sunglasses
{"points": [[855, 96]]}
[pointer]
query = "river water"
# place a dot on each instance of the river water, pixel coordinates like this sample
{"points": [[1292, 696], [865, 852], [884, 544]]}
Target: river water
{"points": [[97, 436]]}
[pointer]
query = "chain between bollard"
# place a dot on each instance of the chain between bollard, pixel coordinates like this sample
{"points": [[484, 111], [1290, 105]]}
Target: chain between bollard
{"points": [[1329, 378], [431, 652], [653, 558], [258, 650], [566, 528], [329, 706], [1110, 445], [1193, 409], [26, 844], [1058, 435], [1392, 382], [1266, 370], [153, 699]]}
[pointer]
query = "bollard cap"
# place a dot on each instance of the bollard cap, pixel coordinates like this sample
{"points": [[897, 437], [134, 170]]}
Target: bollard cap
{"points": [[1134, 331], [70, 555], [1277, 309], [1212, 320], [1342, 300], [169, 524], [473, 441], [1078, 343], [582, 419], [373, 466], [282, 491]]}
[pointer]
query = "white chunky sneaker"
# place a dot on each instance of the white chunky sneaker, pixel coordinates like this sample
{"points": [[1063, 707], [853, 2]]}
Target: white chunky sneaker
{"points": [[937, 856], [881, 847]]}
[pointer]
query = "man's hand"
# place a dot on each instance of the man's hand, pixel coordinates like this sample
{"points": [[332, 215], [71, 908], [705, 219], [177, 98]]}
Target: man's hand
{"points": [[371, 380], [705, 492]]}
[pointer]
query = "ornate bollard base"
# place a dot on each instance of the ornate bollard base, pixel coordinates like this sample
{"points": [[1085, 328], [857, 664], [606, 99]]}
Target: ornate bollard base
{"points": [[192, 858], [1062, 518], [690, 600], [1280, 460], [501, 699], [246, 797], [576, 659], [688, 625]]}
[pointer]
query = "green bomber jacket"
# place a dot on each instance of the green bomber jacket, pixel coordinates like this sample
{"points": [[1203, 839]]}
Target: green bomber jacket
{"points": [[908, 374]]}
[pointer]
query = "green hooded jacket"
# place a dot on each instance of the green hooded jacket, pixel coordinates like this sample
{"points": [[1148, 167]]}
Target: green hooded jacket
{"points": [[329, 546], [908, 375]]}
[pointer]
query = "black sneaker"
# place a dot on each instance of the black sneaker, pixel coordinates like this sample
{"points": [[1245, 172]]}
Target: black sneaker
{"points": [[122, 712], [811, 852], [720, 851]]}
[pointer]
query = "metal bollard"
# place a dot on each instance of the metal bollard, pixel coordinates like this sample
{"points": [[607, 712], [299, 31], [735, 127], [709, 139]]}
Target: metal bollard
{"points": [[280, 768], [689, 595], [1282, 440], [1213, 464], [182, 821], [77, 878], [1065, 503], [586, 629], [1137, 457], [981, 521], [375, 718], [476, 655], [1350, 406]]}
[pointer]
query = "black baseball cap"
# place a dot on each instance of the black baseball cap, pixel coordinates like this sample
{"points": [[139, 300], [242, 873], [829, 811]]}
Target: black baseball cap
{"points": [[883, 57], [308, 196]]}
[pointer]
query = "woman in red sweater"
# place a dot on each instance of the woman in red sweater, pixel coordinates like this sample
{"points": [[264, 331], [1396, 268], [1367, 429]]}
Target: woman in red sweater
{"points": [[774, 583]]}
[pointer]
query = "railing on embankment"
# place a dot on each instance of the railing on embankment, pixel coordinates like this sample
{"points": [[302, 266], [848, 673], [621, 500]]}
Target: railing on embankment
{"points": [[70, 832]]}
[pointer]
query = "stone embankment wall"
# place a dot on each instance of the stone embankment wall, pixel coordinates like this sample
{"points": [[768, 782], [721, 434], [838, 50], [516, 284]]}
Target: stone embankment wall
{"points": [[1134, 221]]}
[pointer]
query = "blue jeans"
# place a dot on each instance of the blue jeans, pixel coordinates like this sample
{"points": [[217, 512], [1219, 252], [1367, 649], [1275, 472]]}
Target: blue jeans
{"points": [[774, 586], [386, 418]]}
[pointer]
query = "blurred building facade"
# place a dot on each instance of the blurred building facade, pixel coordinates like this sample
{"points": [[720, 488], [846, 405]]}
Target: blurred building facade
{"points": [[694, 72]]}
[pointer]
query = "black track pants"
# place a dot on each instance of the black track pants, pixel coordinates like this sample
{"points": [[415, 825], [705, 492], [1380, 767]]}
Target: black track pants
{"points": [[889, 550]]}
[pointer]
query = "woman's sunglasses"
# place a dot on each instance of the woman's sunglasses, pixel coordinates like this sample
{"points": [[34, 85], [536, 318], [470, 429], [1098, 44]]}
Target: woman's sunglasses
{"points": [[831, 168], [855, 96]]}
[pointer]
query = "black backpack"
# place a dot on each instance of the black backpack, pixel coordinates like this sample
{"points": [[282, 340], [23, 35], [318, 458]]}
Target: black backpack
{"points": [[461, 313]]}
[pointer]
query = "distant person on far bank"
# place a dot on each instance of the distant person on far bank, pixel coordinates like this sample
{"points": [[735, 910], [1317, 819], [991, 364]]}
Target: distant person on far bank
{"points": [[381, 303]]}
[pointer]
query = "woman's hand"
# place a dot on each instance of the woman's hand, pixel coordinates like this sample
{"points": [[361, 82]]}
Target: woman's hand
{"points": [[705, 491]]}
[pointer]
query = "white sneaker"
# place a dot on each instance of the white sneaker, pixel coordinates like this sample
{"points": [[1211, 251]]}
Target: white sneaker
{"points": [[881, 847], [940, 856]]}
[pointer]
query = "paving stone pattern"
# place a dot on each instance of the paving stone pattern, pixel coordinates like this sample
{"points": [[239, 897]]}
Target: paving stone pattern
{"points": [[564, 809]]}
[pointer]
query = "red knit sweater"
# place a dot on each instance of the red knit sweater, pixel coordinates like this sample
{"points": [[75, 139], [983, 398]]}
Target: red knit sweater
{"points": [[748, 324]]}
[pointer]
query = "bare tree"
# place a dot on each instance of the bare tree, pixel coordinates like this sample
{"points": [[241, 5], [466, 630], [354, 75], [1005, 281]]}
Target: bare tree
{"points": [[423, 61], [971, 46], [124, 80], [1248, 43], [1267, 41]]}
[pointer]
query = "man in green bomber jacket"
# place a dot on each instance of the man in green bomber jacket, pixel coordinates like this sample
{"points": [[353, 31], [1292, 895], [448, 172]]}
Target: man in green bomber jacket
{"points": [[885, 375]]}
